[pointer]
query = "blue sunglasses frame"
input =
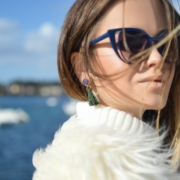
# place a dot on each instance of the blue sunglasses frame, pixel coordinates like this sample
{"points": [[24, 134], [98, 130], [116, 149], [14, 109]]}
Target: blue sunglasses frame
{"points": [[111, 34]]}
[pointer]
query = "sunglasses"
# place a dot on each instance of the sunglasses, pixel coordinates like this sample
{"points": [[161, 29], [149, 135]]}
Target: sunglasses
{"points": [[136, 41]]}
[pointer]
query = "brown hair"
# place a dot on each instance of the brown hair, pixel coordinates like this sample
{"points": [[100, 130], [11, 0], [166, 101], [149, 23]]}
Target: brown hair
{"points": [[78, 30]]}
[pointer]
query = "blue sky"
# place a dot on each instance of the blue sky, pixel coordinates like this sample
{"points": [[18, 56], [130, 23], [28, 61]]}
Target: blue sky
{"points": [[29, 33]]}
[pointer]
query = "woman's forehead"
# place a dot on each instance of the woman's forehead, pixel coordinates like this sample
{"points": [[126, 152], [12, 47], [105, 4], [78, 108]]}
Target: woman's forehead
{"points": [[148, 15]]}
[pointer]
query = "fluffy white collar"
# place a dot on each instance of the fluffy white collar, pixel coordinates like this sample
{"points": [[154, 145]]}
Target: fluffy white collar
{"points": [[112, 118], [101, 143]]}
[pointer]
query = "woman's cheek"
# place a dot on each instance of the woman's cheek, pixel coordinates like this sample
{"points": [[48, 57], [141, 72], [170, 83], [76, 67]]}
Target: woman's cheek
{"points": [[109, 62]]}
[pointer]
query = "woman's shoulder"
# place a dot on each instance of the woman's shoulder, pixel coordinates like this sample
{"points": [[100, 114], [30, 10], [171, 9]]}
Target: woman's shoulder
{"points": [[98, 152]]}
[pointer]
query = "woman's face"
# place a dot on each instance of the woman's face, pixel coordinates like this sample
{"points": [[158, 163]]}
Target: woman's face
{"points": [[133, 89]]}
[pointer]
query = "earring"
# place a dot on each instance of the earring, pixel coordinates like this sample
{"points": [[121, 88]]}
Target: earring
{"points": [[91, 97]]}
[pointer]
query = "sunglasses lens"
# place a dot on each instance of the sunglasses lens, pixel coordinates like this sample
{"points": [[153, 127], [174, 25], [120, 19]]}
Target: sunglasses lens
{"points": [[161, 49], [131, 43]]}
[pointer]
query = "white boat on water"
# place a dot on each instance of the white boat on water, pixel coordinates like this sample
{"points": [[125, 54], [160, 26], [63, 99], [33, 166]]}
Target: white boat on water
{"points": [[52, 101], [13, 116], [69, 107]]}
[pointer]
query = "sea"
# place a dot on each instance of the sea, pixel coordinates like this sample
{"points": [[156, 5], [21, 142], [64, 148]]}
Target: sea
{"points": [[19, 141]]}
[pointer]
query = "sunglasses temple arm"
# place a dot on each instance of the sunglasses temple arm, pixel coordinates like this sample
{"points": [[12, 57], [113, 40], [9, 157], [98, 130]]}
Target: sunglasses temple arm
{"points": [[104, 36]]}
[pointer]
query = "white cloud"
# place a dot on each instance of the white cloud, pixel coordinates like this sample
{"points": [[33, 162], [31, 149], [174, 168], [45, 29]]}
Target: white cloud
{"points": [[42, 40], [28, 54], [7, 25], [8, 33]]}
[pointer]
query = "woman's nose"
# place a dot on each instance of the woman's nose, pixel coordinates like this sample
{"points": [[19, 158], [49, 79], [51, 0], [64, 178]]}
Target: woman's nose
{"points": [[155, 59]]}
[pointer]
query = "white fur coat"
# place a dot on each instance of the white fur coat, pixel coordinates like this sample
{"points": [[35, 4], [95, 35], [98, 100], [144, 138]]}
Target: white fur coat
{"points": [[101, 143]]}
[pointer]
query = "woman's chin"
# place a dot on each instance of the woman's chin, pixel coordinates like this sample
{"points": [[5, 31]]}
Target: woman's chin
{"points": [[155, 105]]}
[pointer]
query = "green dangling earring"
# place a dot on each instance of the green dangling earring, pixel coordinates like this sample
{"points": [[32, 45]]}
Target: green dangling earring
{"points": [[91, 97]]}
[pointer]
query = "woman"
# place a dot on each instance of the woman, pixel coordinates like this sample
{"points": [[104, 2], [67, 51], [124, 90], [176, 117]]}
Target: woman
{"points": [[118, 56]]}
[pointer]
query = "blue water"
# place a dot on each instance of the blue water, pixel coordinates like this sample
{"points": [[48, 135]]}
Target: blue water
{"points": [[19, 141]]}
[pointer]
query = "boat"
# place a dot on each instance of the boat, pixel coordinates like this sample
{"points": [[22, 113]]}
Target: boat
{"points": [[52, 101], [13, 116], [69, 107]]}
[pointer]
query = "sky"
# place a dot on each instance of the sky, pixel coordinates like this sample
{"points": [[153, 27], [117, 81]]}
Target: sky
{"points": [[29, 34]]}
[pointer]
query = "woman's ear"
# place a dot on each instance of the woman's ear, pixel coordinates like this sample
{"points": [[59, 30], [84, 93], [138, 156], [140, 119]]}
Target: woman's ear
{"points": [[78, 66]]}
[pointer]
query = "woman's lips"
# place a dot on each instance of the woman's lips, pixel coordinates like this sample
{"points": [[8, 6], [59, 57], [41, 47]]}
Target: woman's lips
{"points": [[153, 83]]}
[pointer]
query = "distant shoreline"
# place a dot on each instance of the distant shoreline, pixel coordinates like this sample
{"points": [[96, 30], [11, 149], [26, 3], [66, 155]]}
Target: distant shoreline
{"points": [[31, 88]]}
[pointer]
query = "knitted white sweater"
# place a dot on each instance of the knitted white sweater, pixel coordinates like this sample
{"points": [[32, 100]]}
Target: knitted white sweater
{"points": [[101, 143]]}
